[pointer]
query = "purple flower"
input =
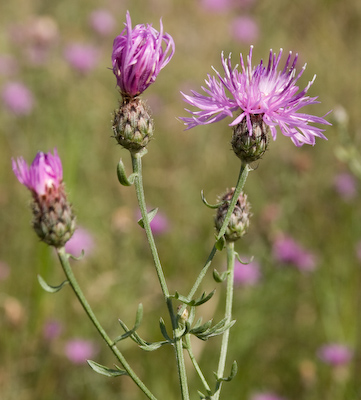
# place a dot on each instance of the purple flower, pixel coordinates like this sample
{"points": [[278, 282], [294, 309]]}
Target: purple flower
{"points": [[45, 172], [102, 21], [287, 251], [159, 224], [335, 354], [345, 185], [52, 329], [266, 396], [261, 90], [217, 6], [245, 29], [138, 57], [82, 58], [18, 98], [81, 240], [246, 274], [80, 350]]}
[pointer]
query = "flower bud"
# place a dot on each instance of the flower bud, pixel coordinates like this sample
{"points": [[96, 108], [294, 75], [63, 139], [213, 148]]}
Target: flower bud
{"points": [[53, 220], [250, 147], [132, 124], [239, 222]]}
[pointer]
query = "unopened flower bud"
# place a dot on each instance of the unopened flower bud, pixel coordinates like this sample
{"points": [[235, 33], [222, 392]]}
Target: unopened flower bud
{"points": [[132, 125], [184, 316], [250, 147], [239, 222], [54, 221]]}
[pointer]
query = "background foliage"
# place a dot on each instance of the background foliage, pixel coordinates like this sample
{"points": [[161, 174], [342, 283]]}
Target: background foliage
{"points": [[281, 321]]}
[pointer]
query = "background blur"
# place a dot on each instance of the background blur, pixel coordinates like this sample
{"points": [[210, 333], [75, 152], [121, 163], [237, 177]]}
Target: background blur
{"points": [[57, 91]]}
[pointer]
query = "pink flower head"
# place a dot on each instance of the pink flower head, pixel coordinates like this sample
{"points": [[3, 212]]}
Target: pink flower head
{"points": [[345, 185], [81, 57], [244, 29], [246, 274], [102, 21], [258, 90], [45, 172], [17, 98], [138, 56], [81, 240], [79, 350], [287, 251], [335, 354]]}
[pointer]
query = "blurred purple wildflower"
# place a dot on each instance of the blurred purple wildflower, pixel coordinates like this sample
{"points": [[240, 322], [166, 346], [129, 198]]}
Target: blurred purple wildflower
{"points": [[82, 239], [52, 329], [345, 185], [102, 21], [80, 350], [259, 90], [81, 57], [244, 29], [217, 6], [159, 223], [335, 354], [266, 396], [17, 98], [138, 57], [287, 251], [246, 274], [45, 172]]}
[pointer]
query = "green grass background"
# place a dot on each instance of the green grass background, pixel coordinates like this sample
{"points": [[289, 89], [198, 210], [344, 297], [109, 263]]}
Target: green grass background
{"points": [[283, 320]]}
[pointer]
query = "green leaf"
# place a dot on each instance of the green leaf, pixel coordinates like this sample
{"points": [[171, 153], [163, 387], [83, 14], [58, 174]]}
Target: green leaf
{"points": [[77, 258], [122, 177], [244, 262], [219, 277], [138, 320], [195, 303], [220, 243], [153, 346], [233, 373], [151, 215], [51, 289], [101, 369], [213, 206], [164, 330]]}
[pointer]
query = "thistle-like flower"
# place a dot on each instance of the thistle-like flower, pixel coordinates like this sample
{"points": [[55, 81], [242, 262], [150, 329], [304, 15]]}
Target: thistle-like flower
{"points": [[138, 57], [53, 221], [259, 91]]}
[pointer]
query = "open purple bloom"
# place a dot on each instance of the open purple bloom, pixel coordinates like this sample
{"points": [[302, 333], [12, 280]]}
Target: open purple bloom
{"points": [[260, 90], [45, 171], [138, 56]]}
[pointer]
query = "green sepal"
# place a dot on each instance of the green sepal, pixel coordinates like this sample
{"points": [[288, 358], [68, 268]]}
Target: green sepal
{"points": [[103, 370], [195, 303], [220, 243], [151, 215], [138, 320], [163, 329], [213, 206], [153, 346], [233, 373], [219, 277], [122, 177], [51, 289]]}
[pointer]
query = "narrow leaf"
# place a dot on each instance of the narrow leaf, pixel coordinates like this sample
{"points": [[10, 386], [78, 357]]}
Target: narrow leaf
{"points": [[233, 373], [151, 215], [213, 206], [122, 177], [163, 329], [138, 320], [101, 369], [220, 244], [219, 277], [48, 288], [153, 346]]}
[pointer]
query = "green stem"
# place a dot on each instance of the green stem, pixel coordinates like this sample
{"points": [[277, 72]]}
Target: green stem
{"points": [[228, 316], [64, 260], [243, 173], [178, 343], [194, 362], [138, 182]]}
